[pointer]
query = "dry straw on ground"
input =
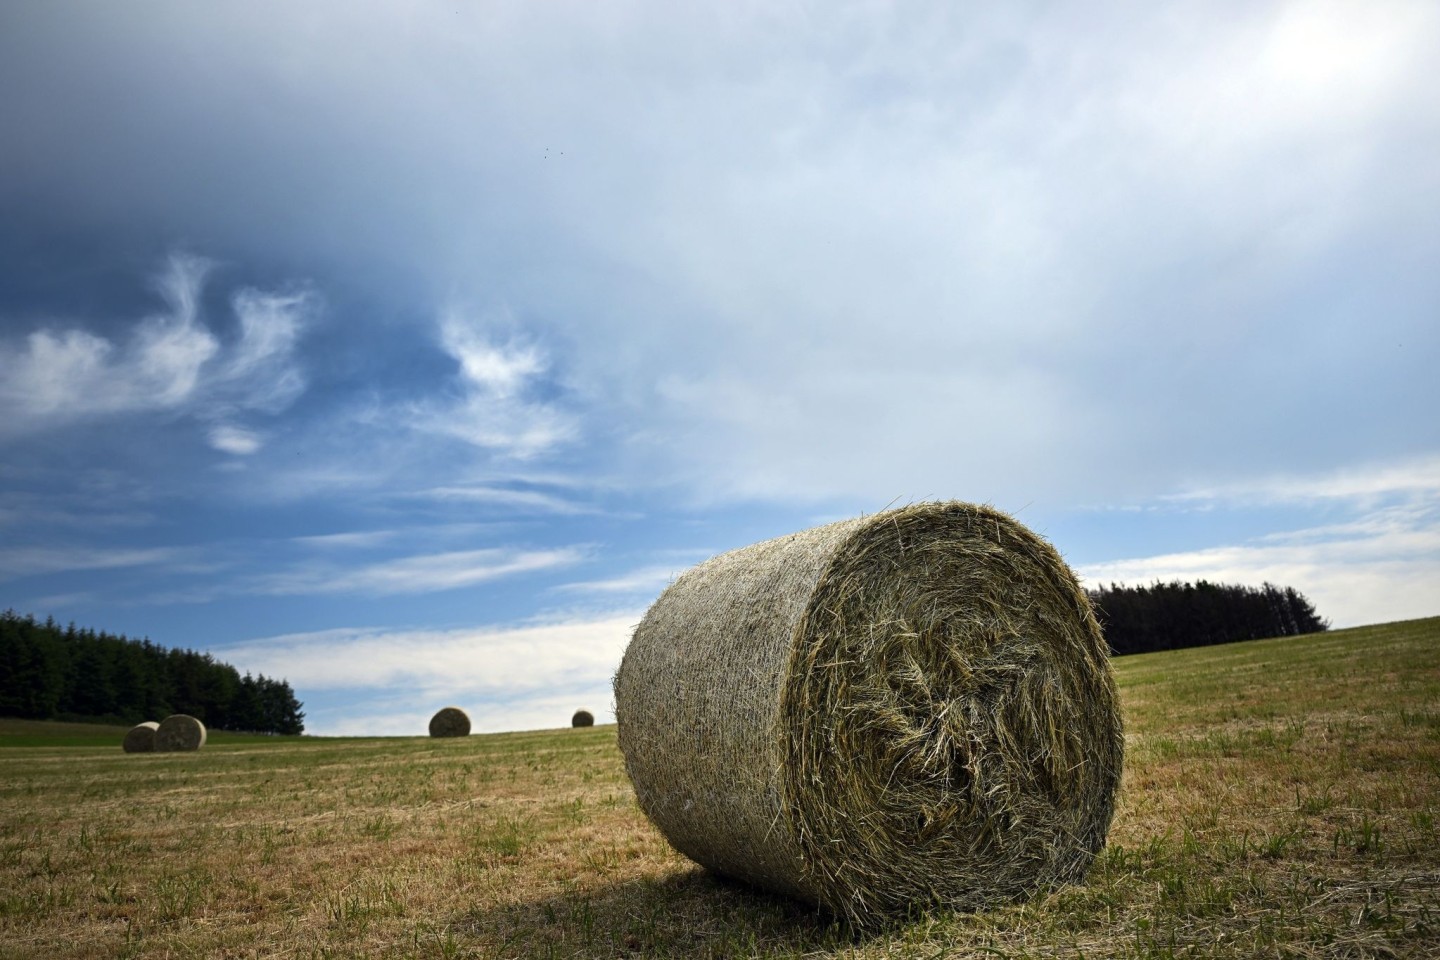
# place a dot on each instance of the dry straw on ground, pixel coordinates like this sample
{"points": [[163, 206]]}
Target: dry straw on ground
{"points": [[908, 709], [582, 718], [141, 737], [179, 732], [450, 722]]}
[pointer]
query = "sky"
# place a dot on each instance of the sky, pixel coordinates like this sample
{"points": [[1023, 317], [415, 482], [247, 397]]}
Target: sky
{"points": [[406, 351]]}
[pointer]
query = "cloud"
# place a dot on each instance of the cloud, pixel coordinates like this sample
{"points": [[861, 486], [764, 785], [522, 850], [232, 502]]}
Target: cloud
{"points": [[1367, 483], [512, 500], [392, 680], [31, 560], [1380, 563], [426, 573], [170, 362], [64, 375], [236, 440], [497, 408], [646, 580]]}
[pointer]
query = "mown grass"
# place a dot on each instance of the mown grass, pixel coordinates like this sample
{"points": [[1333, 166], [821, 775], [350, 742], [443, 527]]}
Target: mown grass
{"points": [[44, 733], [1281, 799]]}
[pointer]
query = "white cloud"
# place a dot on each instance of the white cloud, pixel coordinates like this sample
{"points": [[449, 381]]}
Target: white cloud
{"points": [[170, 362], [236, 440], [260, 368], [1365, 484], [506, 677], [415, 574], [648, 580], [1380, 564], [28, 561], [63, 375], [497, 409], [511, 499], [347, 541]]}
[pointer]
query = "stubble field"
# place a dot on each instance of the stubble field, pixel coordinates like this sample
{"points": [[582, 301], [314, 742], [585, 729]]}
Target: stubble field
{"points": [[1280, 799]]}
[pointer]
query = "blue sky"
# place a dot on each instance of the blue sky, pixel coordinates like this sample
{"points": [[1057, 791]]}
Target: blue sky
{"points": [[406, 351]]}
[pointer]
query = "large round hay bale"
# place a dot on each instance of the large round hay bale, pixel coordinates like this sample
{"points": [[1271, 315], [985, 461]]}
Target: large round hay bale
{"points": [[141, 738], [582, 718], [179, 732], [882, 714], [450, 722]]}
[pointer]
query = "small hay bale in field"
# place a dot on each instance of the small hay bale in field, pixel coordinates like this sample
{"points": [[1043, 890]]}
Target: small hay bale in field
{"points": [[179, 732], [450, 722], [582, 718], [882, 714], [141, 737]]}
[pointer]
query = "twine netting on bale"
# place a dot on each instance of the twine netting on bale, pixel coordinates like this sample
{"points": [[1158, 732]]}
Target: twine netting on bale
{"points": [[140, 738], [179, 732], [582, 718], [877, 715], [450, 722]]}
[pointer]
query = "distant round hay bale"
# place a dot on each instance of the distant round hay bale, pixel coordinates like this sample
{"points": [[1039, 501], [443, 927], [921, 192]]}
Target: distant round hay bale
{"points": [[179, 732], [141, 737], [882, 714], [582, 718], [450, 722]]}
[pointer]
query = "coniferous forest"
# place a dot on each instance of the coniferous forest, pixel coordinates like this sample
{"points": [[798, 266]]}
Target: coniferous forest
{"points": [[1168, 616], [49, 672]]}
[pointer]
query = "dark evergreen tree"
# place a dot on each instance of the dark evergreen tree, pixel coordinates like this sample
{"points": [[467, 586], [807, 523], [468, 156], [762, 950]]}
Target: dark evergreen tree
{"points": [[1169, 616], [47, 672]]}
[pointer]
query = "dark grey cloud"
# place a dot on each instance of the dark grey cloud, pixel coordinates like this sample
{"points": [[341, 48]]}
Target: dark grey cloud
{"points": [[800, 251]]}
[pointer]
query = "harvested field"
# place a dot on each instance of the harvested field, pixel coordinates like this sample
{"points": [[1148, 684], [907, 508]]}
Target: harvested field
{"points": [[1280, 798]]}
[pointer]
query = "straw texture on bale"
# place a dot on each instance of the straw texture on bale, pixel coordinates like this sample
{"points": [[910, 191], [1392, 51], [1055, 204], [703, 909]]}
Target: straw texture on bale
{"points": [[141, 737], [450, 722], [582, 718], [179, 732], [878, 715]]}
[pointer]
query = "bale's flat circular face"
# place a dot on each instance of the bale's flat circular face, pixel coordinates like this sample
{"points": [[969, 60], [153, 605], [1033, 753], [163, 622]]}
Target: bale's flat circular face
{"points": [[582, 718], [952, 691], [450, 722], [141, 738], [179, 733]]}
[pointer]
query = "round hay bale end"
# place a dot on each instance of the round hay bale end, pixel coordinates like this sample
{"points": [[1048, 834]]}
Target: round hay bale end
{"points": [[180, 732], [582, 718], [141, 738], [904, 710], [450, 722]]}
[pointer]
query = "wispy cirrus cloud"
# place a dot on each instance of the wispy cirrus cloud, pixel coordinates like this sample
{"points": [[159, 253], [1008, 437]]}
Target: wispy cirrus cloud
{"points": [[170, 362], [509, 498], [1362, 484], [649, 580], [425, 573], [497, 406], [32, 560]]}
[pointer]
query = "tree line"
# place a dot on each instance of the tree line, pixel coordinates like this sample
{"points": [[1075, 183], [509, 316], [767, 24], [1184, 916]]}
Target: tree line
{"points": [[1168, 616], [48, 672]]}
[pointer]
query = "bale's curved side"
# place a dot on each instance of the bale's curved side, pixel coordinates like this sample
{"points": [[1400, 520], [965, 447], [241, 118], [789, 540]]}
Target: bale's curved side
{"points": [[582, 718], [912, 708], [140, 738], [697, 703], [450, 722], [179, 733]]}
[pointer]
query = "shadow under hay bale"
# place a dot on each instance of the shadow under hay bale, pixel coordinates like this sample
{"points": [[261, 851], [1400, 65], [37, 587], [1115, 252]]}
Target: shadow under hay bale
{"points": [[582, 718], [450, 722], [908, 709], [140, 738], [179, 733]]}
